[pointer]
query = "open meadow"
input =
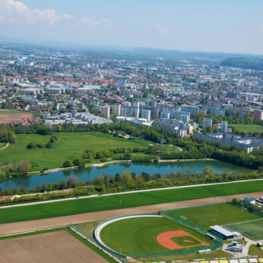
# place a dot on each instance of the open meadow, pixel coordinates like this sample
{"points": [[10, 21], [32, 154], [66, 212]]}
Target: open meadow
{"points": [[246, 128], [209, 215], [68, 147]]}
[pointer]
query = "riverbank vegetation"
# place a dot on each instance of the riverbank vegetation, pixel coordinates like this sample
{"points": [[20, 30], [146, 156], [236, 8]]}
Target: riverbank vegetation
{"points": [[103, 203], [120, 183]]}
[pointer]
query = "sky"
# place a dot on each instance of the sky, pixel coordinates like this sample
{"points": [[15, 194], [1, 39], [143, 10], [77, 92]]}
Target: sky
{"points": [[232, 26]]}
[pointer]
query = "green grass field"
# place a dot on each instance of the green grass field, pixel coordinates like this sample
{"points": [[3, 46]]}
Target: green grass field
{"points": [[246, 128], [204, 215], [136, 234], [68, 147], [185, 241], [12, 111], [252, 229], [103, 203], [255, 251]]}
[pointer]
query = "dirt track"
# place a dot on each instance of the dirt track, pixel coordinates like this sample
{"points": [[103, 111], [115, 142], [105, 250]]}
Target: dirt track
{"points": [[10, 117], [103, 215], [50, 247]]}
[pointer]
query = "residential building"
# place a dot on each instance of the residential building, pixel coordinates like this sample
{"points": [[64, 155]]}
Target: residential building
{"points": [[191, 109], [207, 122], [146, 114], [105, 111], [116, 109], [258, 114]]}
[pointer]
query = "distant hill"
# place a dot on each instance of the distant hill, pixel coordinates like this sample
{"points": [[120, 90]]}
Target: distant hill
{"points": [[244, 62]]}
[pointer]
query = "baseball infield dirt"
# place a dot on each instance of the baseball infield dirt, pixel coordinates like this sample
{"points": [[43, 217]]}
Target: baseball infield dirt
{"points": [[50, 247], [10, 117], [103, 215], [165, 239]]}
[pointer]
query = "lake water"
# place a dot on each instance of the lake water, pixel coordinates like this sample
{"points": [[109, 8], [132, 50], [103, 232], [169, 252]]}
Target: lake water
{"points": [[111, 169]]}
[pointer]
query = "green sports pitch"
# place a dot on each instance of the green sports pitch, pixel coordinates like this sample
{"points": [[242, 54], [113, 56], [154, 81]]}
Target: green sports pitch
{"points": [[209, 215], [252, 229], [133, 235]]}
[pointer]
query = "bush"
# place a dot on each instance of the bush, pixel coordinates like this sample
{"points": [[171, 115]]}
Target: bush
{"points": [[53, 139], [49, 145], [67, 164], [12, 139], [31, 145], [41, 145], [104, 159]]}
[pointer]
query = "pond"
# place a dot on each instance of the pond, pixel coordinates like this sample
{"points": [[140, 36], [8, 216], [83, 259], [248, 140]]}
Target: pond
{"points": [[111, 169]]}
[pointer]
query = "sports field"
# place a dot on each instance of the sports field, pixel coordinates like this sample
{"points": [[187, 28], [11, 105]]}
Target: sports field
{"points": [[246, 128], [209, 215], [134, 235], [103, 203], [68, 147], [252, 229]]}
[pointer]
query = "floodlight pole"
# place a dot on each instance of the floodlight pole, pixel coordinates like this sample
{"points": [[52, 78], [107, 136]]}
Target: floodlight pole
{"points": [[152, 244], [120, 208], [215, 217]]}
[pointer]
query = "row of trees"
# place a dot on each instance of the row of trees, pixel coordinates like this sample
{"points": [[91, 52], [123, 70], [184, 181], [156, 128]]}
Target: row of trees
{"points": [[125, 182], [16, 169], [7, 135]]}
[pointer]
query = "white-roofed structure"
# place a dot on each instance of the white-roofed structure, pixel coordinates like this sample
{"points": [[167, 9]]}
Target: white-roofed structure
{"points": [[224, 232]]}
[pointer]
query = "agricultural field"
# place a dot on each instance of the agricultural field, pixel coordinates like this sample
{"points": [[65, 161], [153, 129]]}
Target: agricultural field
{"points": [[8, 116], [134, 235], [62, 246], [246, 128], [209, 215], [68, 147], [104, 203]]}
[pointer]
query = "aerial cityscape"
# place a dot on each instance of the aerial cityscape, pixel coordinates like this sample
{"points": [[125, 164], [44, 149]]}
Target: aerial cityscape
{"points": [[131, 139]]}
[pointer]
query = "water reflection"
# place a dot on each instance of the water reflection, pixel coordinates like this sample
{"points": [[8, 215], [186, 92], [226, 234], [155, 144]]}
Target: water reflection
{"points": [[111, 169]]}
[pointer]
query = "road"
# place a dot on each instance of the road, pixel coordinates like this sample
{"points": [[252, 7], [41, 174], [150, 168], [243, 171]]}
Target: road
{"points": [[103, 215]]}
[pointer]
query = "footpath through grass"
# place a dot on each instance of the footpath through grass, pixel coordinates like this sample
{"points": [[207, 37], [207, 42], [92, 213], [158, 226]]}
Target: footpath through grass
{"points": [[209, 215], [103, 203]]}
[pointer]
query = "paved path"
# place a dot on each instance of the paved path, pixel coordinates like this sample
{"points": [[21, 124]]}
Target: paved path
{"points": [[130, 192], [5, 146], [103, 215]]}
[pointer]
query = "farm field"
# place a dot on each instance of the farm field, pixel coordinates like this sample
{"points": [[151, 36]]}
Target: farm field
{"points": [[7, 117], [246, 128], [134, 235], [61, 247], [68, 147], [204, 215], [104, 203]]}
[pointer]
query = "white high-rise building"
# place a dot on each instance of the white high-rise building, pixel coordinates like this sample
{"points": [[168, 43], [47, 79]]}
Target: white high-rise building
{"points": [[146, 114], [207, 122]]}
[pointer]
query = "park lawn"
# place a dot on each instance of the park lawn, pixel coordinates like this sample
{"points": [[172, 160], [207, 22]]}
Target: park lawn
{"points": [[185, 241], [135, 235], [68, 147], [246, 128], [205, 216], [255, 251], [104, 203]]}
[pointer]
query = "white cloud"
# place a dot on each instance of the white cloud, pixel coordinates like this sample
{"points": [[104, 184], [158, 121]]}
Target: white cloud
{"points": [[17, 12], [107, 24], [260, 27], [2, 20], [86, 22], [67, 16], [161, 29]]}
